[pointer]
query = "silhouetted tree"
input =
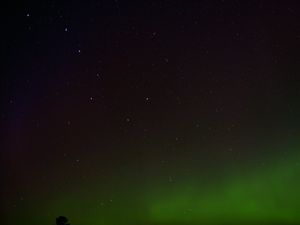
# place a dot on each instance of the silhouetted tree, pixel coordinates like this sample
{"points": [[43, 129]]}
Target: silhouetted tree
{"points": [[62, 220]]}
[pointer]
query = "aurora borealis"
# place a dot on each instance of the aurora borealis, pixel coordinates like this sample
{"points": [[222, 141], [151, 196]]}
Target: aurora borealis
{"points": [[151, 113], [267, 196]]}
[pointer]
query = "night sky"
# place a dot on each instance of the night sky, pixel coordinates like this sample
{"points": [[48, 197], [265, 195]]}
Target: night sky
{"points": [[150, 112]]}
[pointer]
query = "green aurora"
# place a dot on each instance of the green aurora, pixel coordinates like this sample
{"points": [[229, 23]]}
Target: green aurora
{"points": [[269, 195]]}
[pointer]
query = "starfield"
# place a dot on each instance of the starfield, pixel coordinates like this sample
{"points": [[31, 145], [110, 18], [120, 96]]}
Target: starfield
{"points": [[150, 112]]}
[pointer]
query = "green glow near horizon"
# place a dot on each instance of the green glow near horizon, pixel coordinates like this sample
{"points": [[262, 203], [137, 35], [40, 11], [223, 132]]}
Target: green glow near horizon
{"points": [[264, 196]]}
